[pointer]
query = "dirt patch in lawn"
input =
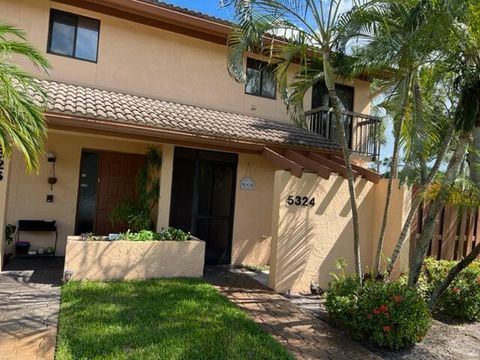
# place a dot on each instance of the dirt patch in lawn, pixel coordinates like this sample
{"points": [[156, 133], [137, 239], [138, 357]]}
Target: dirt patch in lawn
{"points": [[445, 340]]}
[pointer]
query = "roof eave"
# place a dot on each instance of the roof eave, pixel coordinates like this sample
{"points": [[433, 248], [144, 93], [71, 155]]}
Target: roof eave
{"points": [[67, 121], [160, 16]]}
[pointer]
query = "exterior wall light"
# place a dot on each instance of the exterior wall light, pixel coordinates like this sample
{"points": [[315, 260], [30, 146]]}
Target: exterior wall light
{"points": [[52, 178], [51, 157]]}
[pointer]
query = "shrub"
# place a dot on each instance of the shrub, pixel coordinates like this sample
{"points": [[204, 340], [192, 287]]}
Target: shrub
{"points": [[168, 234], [387, 314], [461, 301]]}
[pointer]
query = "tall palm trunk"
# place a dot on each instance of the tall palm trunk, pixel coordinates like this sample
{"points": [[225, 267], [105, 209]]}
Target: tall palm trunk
{"points": [[393, 170], [452, 274], [474, 157], [418, 110], [416, 201], [436, 207], [330, 83]]}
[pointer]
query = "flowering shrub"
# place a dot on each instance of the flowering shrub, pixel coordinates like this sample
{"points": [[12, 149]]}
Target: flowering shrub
{"points": [[461, 301], [387, 314]]}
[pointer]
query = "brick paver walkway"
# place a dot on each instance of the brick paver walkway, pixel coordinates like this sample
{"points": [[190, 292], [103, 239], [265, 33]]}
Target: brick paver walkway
{"points": [[304, 335], [28, 317]]}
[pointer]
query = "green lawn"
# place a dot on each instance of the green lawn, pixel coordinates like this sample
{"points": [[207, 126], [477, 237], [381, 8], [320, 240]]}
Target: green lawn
{"points": [[157, 319]]}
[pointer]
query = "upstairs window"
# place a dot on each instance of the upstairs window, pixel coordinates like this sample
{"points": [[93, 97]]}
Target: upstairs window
{"points": [[73, 36], [260, 79], [321, 98]]}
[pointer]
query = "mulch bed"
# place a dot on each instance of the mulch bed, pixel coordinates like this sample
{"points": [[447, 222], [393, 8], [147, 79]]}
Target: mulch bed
{"points": [[446, 340]]}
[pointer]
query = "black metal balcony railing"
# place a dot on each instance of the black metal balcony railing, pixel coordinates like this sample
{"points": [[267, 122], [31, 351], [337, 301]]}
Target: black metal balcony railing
{"points": [[362, 131]]}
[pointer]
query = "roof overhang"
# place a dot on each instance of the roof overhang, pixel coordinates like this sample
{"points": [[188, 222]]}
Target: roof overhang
{"points": [[158, 15], [65, 121], [295, 159]]}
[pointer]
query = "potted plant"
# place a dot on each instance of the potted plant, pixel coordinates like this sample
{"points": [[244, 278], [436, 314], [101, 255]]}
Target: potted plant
{"points": [[9, 236], [135, 213]]}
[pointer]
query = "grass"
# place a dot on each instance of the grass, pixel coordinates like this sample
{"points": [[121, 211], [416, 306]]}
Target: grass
{"points": [[157, 319]]}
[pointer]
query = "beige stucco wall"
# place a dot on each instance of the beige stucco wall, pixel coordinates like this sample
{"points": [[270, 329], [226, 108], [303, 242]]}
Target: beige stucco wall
{"points": [[129, 260], [143, 60], [308, 241], [252, 231], [400, 206], [27, 193]]}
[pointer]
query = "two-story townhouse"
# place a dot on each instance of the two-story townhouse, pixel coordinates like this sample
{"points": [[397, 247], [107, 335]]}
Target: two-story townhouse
{"points": [[130, 74]]}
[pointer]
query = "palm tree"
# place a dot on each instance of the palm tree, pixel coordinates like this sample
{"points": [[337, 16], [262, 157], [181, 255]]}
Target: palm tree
{"points": [[400, 36], [463, 56], [305, 33], [22, 123], [473, 26], [428, 140]]}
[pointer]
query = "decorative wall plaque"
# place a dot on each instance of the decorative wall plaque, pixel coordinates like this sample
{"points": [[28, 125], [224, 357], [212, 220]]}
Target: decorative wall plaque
{"points": [[247, 182]]}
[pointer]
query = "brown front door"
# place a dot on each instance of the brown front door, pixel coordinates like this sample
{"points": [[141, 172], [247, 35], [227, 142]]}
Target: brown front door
{"points": [[112, 180]]}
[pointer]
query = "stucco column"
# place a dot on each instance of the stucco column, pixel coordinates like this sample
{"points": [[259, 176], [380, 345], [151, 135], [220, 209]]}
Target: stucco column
{"points": [[5, 173], [312, 229], [166, 173]]}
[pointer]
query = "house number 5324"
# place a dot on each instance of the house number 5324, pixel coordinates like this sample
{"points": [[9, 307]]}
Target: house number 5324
{"points": [[300, 201]]}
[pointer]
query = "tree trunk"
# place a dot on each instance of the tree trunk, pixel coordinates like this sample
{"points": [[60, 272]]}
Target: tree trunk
{"points": [[418, 106], [330, 83], [436, 207], [452, 274], [416, 202], [393, 171], [474, 157]]}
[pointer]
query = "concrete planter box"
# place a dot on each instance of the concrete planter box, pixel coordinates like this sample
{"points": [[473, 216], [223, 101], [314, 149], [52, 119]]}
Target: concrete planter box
{"points": [[129, 260]]}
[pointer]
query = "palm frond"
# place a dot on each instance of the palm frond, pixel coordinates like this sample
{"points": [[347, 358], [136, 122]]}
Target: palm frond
{"points": [[22, 123]]}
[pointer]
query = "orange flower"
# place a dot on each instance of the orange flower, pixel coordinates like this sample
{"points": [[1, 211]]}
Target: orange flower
{"points": [[397, 298], [456, 290], [387, 328]]}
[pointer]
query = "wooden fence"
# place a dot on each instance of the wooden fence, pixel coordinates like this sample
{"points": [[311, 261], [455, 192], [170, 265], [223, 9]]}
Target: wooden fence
{"points": [[458, 231]]}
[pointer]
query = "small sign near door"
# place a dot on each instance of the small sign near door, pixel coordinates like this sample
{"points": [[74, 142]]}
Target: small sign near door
{"points": [[247, 183]]}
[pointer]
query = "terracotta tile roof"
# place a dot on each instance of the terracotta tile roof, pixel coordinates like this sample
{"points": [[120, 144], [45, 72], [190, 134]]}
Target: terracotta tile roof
{"points": [[117, 107]]}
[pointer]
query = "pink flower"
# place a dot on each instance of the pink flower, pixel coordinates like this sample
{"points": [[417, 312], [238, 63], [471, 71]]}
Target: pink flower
{"points": [[387, 328]]}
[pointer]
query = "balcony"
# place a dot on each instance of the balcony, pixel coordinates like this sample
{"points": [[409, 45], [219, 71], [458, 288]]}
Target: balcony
{"points": [[362, 131]]}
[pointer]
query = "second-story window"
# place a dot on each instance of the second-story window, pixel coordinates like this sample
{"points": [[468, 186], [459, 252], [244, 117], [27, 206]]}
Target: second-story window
{"points": [[73, 35], [260, 79], [320, 95]]}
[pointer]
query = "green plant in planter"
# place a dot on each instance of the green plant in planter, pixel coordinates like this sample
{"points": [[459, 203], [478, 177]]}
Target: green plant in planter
{"points": [[137, 212], [9, 233], [169, 234]]}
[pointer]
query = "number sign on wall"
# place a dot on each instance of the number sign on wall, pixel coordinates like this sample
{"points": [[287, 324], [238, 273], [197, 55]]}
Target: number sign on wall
{"points": [[296, 200]]}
